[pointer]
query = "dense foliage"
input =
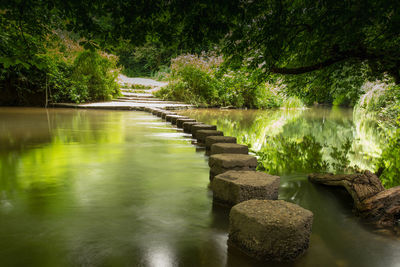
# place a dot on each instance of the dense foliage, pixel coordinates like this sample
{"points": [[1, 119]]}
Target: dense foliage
{"points": [[145, 60], [388, 165], [199, 80], [321, 51], [382, 103], [41, 63]]}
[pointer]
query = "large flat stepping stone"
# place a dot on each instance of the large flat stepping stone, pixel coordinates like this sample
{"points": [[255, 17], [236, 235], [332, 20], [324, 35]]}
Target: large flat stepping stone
{"points": [[179, 122], [202, 134], [220, 163], [210, 140], [187, 126], [270, 230], [233, 187], [221, 148], [196, 128]]}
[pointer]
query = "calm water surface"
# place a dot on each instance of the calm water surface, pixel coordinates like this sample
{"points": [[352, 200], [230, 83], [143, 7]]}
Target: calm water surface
{"points": [[110, 188]]}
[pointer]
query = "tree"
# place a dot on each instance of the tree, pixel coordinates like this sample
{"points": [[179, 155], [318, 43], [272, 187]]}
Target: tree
{"points": [[320, 42], [297, 37]]}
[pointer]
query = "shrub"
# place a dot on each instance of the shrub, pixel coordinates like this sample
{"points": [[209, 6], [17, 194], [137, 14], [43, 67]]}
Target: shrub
{"points": [[93, 77], [293, 102], [62, 68], [198, 80]]}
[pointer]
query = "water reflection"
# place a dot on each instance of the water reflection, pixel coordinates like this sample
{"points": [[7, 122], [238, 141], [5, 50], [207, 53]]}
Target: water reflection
{"points": [[288, 141], [104, 188]]}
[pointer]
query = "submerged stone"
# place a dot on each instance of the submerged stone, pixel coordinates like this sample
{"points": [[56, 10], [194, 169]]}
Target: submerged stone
{"points": [[220, 163], [232, 187], [202, 134], [270, 230], [221, 148]]}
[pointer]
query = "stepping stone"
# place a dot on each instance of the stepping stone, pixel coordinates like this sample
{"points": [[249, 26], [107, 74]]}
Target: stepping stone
{"points": [[165, 113], [202, 134], [224, 148], [175, 119], [218, 139], [159, 112], [170, 117], [195, 128], [270, 230], [155, 111], [233, 187], [179, 122], [220, 163], [187, 126]]}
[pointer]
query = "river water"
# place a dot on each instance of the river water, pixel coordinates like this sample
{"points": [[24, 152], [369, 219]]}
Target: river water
{"points": [[116, 188]]}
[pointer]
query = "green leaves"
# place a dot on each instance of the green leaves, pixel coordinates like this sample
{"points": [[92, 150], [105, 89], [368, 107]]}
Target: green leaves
{"points": [[89, 45]]}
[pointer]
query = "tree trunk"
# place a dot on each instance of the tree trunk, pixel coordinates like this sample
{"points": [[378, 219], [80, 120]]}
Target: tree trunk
{"points": [[371, 200]]}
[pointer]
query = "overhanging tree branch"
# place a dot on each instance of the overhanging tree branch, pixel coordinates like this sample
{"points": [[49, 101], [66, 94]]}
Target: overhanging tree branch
{"points": [[301, 70], [360, 54]]}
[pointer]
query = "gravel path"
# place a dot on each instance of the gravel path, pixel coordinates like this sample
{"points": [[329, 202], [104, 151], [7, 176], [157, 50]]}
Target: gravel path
{"points": [[124, 80]]}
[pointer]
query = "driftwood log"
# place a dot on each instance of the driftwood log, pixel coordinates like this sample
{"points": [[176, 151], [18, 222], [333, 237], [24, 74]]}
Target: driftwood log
{"points": [[371, 200]]}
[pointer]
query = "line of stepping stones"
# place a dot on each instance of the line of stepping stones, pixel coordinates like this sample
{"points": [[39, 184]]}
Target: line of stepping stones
{"points": [[260, 225]]}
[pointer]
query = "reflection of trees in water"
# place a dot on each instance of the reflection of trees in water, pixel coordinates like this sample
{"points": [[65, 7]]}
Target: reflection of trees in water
{"points": [[37, 145], [280, 155], [293, 141]]}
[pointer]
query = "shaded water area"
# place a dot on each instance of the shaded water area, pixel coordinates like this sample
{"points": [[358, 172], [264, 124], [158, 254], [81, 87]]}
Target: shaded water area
{"points": [[115, 188]]}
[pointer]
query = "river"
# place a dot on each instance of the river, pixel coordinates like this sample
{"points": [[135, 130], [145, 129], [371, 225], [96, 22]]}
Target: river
{"points": [[120, 188]]}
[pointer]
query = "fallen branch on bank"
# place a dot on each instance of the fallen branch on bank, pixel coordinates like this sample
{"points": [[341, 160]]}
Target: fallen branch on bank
{"points": [[371, 200]]}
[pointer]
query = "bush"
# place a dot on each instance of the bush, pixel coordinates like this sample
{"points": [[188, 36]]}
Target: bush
{"points": [[198, 80], [62, 68], [292, 102], [94, 77], [90, 77]]}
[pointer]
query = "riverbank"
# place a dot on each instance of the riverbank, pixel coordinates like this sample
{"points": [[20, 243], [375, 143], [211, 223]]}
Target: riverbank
{"points": [[136, 94]]}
